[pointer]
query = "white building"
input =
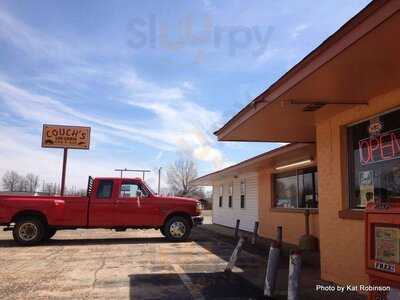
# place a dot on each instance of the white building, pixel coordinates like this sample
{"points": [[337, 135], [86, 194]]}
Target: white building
{"points": [[236, 197], [235, 193]]}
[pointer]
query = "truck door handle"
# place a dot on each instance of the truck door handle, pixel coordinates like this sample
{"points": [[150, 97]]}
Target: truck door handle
{"points": [[59, 202]]}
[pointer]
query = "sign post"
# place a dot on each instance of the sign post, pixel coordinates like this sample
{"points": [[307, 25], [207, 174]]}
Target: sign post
{"points": [[65, 137], [64, 167]]}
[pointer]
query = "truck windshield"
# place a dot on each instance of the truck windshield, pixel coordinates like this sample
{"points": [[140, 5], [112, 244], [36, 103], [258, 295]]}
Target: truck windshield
{"points": [[148, 188]]}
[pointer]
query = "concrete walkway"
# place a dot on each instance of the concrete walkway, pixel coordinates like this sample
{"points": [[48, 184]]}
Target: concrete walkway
{"points": [[310, 276]]}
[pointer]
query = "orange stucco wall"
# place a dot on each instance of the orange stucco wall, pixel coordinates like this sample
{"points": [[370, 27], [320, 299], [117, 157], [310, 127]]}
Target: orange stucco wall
{"points": [[342, 240], [292, 222]]}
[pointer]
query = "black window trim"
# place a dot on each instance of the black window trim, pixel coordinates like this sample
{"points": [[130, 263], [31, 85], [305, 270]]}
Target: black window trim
{"points": [[349, 159], [230, 196], [294, 172], [243, 193], [243, 201], [221, 195]]}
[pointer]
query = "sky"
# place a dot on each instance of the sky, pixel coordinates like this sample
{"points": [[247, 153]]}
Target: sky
{"points": [[153, 79]]}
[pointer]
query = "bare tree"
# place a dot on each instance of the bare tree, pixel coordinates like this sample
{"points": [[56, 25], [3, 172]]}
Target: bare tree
{"points": [[51, 188], [32, 182], [22, 184], [74, 191], [180, 177], [11, 181]]}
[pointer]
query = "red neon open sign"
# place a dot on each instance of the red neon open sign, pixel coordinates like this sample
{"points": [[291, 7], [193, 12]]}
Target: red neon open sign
{"points": [[385, 146]]}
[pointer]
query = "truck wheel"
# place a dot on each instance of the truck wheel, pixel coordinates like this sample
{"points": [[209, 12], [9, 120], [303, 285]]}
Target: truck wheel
{"points": [[162, 230], [177, 229], [28, 231], [50, 232]]}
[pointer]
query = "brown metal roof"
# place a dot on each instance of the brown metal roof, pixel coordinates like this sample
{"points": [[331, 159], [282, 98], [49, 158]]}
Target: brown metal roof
{"points": [[372, 16]]}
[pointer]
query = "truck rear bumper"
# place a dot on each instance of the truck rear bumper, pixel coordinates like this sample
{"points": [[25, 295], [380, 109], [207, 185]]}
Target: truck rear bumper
{"points": [[197, 220]]}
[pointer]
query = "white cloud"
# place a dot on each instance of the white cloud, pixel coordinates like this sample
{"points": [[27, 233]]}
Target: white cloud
{"points": [[208, 5], [33, 42], [159, 155], [188, 85], [299, 29], [182, 122], [44, 109], [268, 55], [178, 124]]}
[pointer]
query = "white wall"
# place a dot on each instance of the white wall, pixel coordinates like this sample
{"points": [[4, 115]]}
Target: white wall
{"points": [[227, 216]]}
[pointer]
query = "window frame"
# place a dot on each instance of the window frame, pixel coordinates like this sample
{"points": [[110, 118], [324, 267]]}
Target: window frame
{"points": [[230, 196], [299, 193], [221, 195], [243, 194], [350, 203]]}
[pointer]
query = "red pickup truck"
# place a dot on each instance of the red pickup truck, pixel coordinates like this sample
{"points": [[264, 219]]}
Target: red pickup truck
{"points": [[113, 203]]}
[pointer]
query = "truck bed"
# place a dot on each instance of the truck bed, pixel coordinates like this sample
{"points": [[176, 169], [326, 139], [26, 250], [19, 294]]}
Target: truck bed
{"points": [[58, 210]]}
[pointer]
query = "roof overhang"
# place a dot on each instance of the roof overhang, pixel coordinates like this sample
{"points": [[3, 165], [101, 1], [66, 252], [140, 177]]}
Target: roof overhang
{"points": [[287, 154], [357, 63]]}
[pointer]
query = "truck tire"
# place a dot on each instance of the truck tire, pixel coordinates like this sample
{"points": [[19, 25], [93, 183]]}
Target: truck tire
{"points": [[177, 229], [50, 232], [29, 231], [162, 230]]}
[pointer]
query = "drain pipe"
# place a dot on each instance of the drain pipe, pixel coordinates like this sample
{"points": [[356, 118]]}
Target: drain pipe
{"points": [[308, 242]]}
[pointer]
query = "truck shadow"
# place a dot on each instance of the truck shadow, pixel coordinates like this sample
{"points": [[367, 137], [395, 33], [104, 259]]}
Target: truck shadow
{"points": [[215, 285], [91, 241]]}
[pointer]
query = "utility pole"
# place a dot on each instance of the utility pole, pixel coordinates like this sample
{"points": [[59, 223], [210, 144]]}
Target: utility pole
{"points": [[159, 180]]}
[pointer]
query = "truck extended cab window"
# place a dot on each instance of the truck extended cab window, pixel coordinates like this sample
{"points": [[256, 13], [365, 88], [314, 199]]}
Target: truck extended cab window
{"points": [[104, 190]]}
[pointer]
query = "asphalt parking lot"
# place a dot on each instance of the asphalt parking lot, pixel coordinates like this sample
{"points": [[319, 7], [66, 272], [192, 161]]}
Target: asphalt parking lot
{"points": [[142, 264], [137, 264]]}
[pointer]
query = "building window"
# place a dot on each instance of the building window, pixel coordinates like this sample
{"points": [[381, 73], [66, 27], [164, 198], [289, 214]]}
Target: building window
{"points": [[374, 159], [242, 194], [221, 195], [297, 189], [230, 195]]}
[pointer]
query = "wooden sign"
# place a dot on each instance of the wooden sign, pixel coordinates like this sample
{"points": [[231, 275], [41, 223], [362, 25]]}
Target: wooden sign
{"points": [[60, 136]]}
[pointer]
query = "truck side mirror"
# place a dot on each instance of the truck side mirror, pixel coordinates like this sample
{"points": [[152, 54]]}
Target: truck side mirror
{"points": [[139, 193]]}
